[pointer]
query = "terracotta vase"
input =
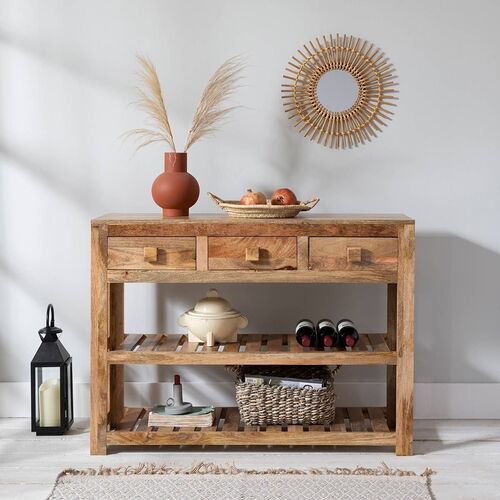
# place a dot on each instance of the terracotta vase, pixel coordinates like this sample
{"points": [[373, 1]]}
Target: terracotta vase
{"points": [[175, 190]]}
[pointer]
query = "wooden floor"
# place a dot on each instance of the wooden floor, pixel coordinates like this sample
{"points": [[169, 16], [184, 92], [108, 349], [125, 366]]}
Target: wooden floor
{"points": [[465, 455]]}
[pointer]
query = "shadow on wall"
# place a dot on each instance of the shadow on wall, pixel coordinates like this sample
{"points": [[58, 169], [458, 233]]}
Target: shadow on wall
{"points": [[457, 310], [457, 313]]}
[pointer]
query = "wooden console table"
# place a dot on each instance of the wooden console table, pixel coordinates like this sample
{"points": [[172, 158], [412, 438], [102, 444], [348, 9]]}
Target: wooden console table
{"points": [[217, 249]]}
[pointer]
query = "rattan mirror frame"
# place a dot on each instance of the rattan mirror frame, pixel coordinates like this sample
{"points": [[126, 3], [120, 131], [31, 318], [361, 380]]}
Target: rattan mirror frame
{"points": [[375, 77]]}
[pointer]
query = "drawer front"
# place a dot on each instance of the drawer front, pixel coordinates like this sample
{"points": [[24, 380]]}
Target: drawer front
{"points": [[252, 252], [350, 254], [152, 253]]}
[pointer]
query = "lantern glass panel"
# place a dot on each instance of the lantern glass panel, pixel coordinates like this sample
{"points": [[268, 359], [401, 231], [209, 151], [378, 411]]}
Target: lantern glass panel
{"points": [[48, 397], [69, 382]]}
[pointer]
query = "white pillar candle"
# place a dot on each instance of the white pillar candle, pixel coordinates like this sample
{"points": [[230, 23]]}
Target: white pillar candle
{"points": [[49, 403]]}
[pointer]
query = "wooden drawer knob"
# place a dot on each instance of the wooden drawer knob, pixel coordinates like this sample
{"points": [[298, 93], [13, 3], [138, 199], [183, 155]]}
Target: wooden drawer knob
{"points": [[353, 255], [252, 254], [150, 254]]}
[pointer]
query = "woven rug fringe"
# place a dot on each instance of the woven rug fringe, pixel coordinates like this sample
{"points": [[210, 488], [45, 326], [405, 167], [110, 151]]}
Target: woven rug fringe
{"points": [[231, 469]]}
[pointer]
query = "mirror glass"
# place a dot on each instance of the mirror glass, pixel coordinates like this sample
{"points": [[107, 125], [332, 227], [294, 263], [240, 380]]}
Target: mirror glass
{"points": [[337, 90]]}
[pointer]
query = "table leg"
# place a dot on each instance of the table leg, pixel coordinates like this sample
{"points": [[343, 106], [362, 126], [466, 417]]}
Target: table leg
{"points": [[404, 345], [99, 388]]}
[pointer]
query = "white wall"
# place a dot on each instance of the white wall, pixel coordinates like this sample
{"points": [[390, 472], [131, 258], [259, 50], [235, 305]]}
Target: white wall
{"points": [[66, 77]]}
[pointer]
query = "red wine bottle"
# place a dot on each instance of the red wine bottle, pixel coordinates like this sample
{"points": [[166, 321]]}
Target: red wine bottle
{"points": [[348, 336], [326, 333], [305, 333]]}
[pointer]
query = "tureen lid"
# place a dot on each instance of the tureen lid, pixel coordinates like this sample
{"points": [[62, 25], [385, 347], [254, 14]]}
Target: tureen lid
{"points": [[213, 305]]}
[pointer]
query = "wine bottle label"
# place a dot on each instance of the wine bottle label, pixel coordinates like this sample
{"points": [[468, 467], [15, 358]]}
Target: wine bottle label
{"points": [[345, 323], [326, 323], [305, 323]]}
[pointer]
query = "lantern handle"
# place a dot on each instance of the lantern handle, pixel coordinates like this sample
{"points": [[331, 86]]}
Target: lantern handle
{"points": [[49, 333], [50, 311]]}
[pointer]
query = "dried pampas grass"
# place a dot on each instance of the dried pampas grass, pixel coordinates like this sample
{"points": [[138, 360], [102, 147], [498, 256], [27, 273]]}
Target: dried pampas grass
{"points": [[210, 113], [151, 102], [211, 110]]}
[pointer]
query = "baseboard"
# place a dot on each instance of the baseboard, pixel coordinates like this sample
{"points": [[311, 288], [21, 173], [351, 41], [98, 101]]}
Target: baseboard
{"points": [[432, 401]]}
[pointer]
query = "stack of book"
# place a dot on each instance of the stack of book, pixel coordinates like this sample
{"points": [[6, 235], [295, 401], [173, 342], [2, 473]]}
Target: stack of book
{"points": [[198, 416]]}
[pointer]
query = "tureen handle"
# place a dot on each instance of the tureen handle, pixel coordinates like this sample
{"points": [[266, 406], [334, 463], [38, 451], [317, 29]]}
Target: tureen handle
{"points": [[243, 322], [181, 320], [212, 292]]}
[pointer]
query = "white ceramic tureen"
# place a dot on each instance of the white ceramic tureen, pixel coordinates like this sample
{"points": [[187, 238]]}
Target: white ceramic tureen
{"points": [[212, 320]]}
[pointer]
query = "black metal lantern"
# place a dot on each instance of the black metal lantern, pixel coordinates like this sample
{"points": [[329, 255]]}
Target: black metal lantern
{"points": [[51, 383]]}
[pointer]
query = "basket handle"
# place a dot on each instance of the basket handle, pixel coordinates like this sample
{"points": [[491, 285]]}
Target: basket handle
{"points": [[335, 370], [311, 203], [215, 198]]}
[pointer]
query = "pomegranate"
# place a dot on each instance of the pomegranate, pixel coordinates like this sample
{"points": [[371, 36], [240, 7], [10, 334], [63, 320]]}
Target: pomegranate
{"points": [[284, 196], [253, 198]]}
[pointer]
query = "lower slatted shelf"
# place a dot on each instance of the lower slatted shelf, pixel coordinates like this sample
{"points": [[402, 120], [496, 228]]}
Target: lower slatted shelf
{"points": [[352, 426]]}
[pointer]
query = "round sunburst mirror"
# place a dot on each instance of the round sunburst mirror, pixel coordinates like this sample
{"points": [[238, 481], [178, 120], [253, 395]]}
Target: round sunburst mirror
{"points": [[338, 90]]}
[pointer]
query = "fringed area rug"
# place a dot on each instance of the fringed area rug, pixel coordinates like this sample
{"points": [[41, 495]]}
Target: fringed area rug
{"points": [[210, 481]]}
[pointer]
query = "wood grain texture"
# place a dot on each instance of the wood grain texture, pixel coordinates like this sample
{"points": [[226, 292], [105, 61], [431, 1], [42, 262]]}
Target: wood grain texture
{"points": [[202, 253], [259, 350], [252, 276], [256, 253], [404, 342], [132, 340], [116, 337], [171, 342], [392, 306], [152, 253], [129, 420], [253, 343], [362, 225], [350, 249], [251, 438], [161, 229], [353, 254], [377, 420], [252, 254], [339, 420], [356, 419], [328, 218], [302, 253], [229, 430], [378, 343], [99, 324], [188, 357]]}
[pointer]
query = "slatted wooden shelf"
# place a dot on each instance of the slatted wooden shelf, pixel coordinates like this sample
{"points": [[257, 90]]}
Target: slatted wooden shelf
{"points": [[251, 349], [328, 248], [352, 426]]}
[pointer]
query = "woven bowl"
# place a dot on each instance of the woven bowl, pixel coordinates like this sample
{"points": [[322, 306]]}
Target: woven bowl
{"points": [[234, 209]]}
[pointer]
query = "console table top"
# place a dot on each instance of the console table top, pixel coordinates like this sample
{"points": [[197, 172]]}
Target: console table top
{"points": [[385, 219]]}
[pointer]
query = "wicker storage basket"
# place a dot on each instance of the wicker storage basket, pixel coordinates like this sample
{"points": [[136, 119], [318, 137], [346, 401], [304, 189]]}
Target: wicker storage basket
{"points": [[266, 404]]}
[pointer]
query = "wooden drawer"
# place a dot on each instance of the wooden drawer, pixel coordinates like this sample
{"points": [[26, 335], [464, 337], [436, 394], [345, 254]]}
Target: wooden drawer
{"points": [[349, 254], [152, 253], [252, 252]]}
